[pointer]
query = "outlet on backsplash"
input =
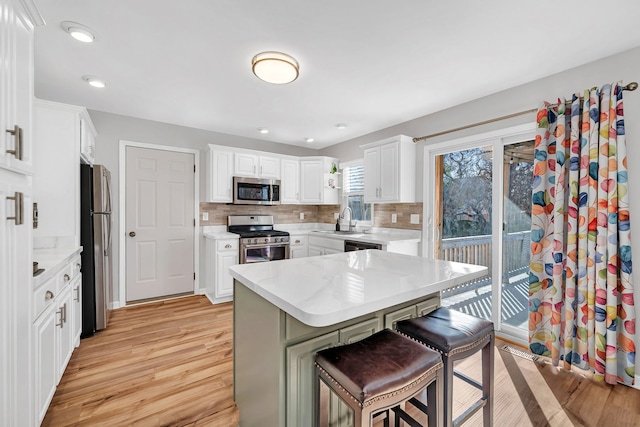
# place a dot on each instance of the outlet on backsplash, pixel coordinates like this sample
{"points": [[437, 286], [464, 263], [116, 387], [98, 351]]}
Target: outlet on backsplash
{"points": [[394, 218]]}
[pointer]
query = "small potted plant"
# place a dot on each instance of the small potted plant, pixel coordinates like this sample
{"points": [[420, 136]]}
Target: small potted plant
{"points": [[334, 168]]}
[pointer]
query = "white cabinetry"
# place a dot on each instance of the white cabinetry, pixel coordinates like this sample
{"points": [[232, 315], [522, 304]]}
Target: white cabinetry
{"points": [[57, 311], [290, 181], [15, 294], [390, 171], [219, 175], [16, 86], [298, 245], [254, 165], [315, 187], [325, 246], [58, 133], [87, 139], [220, 255]]}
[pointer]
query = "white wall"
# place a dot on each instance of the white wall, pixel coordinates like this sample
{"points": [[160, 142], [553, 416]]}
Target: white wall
{"points": [[623, 67], [112, 128]]}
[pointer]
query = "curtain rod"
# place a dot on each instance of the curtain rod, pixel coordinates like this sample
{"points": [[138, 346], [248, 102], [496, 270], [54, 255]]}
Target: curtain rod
{"points": [[630, 87]]}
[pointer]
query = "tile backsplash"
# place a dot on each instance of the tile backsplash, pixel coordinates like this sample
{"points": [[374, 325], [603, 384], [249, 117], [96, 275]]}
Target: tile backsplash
{"points": [[290, 214]]}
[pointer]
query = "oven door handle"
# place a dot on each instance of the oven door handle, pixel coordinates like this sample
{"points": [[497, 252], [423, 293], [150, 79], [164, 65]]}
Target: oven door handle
{"points": [[264, 245]]}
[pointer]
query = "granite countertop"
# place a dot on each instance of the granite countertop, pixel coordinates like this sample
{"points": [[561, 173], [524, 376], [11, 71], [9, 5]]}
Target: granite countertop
{"points": [[51, 259], [325, 290]]}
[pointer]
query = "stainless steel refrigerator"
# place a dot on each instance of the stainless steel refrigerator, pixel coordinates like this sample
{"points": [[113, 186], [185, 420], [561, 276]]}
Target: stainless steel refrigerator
{"points": [[95, 235]]}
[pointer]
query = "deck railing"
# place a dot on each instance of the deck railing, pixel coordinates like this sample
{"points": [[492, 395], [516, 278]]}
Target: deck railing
{"points": [[479, 250]]}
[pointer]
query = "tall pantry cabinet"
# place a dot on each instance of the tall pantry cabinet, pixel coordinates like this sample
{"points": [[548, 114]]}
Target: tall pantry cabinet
{"points": [[17, 20]]}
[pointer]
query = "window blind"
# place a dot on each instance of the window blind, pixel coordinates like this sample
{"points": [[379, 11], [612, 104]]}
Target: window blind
{"points": [[353, 179]]}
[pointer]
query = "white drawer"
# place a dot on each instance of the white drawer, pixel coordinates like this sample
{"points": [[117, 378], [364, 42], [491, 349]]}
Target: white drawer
{"points": [[76, 267], [43, 296], [227, 245], [66, 275], [300, 240]]}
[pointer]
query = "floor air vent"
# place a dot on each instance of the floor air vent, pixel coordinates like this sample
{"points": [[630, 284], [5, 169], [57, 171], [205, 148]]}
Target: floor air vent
{"points": [[520, 353]]}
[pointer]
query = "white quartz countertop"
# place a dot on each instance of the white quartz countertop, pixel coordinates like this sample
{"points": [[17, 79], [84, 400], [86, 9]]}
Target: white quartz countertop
{"points": [[218, 235], [325, 290], [51, 259]]}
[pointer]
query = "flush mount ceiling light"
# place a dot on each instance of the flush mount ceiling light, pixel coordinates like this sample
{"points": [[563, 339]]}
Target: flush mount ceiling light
{"points": [[78, 31], [275, 67], [341, 126], [263, 130], [309, 140], [94, 81]]}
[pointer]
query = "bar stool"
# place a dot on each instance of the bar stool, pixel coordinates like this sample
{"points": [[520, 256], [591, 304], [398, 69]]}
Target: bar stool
{"points": [[379, 373], [456, 336]]}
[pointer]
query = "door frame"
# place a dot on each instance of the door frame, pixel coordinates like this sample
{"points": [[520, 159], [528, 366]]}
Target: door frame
{"points": [[122, 259], [498, 139]]}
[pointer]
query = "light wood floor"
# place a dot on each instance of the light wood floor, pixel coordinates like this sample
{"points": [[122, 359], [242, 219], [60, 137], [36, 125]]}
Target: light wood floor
{"points": [[170, 363]]}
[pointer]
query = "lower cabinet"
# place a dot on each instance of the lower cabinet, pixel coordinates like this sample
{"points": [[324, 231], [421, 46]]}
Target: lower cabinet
{"points": [[300, 369], [45, 369], [58, 311], [298, 246], [325, 246], [220, 255]]}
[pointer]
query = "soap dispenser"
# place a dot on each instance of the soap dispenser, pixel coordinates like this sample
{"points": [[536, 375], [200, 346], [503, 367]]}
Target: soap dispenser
{"points": [[338, 224]]}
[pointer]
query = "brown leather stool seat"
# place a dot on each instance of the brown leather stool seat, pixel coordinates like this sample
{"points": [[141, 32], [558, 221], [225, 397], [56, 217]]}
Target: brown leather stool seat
{"points": [[379, 373], [456, 336]]}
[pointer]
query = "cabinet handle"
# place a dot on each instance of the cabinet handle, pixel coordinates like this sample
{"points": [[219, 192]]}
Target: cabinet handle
{"points": [[227, 246], [77, 298], [18, 201], [66, 278], [254, 169], [260, 170], [61, 318], [79, 267], [17, 133], [48, 295], [64, 313]]}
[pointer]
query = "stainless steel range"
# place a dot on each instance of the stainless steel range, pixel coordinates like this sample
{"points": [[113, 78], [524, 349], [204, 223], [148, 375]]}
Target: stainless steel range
{"points": [[259, 242]]}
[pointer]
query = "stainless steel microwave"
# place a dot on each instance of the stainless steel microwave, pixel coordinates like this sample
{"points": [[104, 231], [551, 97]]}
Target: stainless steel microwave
{"points": [[255, 191]]}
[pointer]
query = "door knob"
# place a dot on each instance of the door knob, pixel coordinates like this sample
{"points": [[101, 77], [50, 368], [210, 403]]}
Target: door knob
{"points": [[132, 234]]}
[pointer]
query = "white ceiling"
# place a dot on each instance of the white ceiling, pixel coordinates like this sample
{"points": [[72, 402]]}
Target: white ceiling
{"points": [[368, 63]]}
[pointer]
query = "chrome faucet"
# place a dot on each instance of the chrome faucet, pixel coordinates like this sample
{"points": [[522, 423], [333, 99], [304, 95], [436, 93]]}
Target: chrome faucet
{"points": [[350, 217]]}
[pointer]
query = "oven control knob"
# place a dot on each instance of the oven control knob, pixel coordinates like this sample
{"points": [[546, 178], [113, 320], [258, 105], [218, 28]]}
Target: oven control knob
{"points": [[266, 240], [255, 241]]}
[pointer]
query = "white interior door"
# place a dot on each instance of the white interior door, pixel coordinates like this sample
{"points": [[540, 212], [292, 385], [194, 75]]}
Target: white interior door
{"points": [[160, 223]]}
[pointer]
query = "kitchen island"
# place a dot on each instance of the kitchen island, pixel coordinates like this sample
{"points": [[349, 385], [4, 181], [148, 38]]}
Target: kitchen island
{"points": [[286, 311]]}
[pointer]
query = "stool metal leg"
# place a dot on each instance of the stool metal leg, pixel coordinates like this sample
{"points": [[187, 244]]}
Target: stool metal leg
{"points": [[448, 391], [487, 381]]}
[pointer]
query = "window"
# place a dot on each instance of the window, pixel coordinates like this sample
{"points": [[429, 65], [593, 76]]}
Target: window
{"points": [[353, 192]]}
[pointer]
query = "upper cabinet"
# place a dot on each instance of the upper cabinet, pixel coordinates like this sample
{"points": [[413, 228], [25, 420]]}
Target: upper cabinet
{"points": [[254, 165], [219, 174], [16, 86], [317, 183], [390, 171], [303, 180], [87, 138], [59, 130], [290, 181]]}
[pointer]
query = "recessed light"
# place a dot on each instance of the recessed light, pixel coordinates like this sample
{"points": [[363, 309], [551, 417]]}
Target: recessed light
{"points": [[94, 81], [78, 31], [341, 126], [263, 130], [309, 140], [275, 67]]}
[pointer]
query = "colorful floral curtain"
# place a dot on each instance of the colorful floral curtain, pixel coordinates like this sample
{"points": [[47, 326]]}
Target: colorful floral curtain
{"points": [[581, 307]]}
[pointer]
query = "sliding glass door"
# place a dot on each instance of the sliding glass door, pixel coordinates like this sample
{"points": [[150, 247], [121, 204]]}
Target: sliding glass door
{"points": [[478, 210]]}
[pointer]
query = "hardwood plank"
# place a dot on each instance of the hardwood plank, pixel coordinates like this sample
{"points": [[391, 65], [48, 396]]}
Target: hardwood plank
{"points": [[169, 363]]}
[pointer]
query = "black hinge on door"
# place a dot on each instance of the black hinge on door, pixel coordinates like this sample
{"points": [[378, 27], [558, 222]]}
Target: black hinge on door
{"points": [[194, 275], [194, 168]]}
